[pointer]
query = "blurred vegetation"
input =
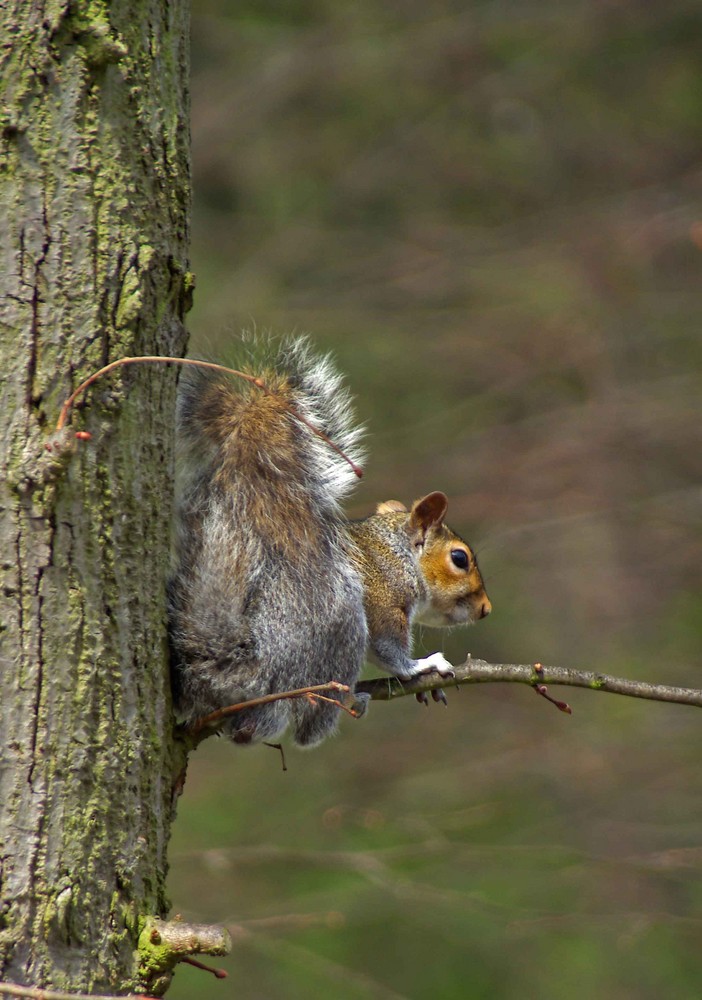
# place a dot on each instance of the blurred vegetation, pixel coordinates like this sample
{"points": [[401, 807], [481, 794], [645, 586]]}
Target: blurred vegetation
{"points": [[491, 213]]}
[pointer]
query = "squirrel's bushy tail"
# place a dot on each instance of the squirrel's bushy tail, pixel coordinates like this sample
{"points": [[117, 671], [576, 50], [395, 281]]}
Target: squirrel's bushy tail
{"points": [[252, 432], [264, 596]]}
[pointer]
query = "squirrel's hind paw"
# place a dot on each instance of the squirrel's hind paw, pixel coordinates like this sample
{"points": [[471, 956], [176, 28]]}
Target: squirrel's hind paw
{"points": [[357, 703]]}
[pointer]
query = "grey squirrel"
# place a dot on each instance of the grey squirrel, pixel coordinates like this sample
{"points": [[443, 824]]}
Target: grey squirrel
{"points": [[273, 588]]}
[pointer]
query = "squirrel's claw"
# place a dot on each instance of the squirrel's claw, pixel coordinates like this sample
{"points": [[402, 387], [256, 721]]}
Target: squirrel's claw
{"points": [[434, 664], [438, 696]]}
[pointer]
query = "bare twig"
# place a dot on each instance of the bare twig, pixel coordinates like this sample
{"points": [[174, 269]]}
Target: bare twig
{"points": [[481, 672], [146, 359], [212, 720], [217, 973], [471, 672], [541, 689], [194, 363], [311, 696], [281, 751]]}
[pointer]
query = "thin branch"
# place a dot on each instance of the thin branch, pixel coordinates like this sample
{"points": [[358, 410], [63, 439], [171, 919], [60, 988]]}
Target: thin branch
{"points": [[311, 696], [481, 672], [212, 720], [542, 690], [194, 363], [535, 675], [38, 993], [217, 973], [148, 358]]}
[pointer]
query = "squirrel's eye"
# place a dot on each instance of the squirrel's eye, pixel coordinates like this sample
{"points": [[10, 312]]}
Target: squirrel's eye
{"points": [[459, 557]]}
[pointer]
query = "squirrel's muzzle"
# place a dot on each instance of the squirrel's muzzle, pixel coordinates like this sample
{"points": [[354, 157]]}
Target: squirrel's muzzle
{"points": [[485, 608]]}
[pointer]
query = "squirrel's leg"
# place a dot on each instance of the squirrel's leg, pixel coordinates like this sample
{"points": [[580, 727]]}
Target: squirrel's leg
{"points": [[391, 647], [435, 663]]}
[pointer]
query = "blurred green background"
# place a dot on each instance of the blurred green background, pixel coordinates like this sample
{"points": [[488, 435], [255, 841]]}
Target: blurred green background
{"points": [[490, 212]]}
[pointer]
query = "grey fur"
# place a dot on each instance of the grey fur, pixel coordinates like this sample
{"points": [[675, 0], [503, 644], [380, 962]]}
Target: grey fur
{"points": [[265, 596]]}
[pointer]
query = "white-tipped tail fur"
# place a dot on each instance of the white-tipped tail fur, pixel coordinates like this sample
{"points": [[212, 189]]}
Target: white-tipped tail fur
{"points": [[323, 398]]}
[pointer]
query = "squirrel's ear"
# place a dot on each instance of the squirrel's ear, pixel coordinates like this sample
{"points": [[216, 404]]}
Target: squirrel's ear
{"points": [[428, 511], [390, 507]]}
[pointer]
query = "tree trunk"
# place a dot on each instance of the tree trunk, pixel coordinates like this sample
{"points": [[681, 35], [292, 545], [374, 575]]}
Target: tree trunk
{"points": [[94, 214]]}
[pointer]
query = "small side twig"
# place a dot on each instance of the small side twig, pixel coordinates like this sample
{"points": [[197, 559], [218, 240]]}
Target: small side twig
{"points": [[311, 696], [315, 692], [541, 689], [281, 751], [193, 363], [217, 973]]}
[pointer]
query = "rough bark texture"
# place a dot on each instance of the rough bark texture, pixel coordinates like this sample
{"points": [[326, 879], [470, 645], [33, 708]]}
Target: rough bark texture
{"points": [[94, 205]]}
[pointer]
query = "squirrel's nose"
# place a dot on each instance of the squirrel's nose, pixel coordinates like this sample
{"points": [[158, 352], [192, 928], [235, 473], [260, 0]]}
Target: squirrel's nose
{"points": [[485, 608]]}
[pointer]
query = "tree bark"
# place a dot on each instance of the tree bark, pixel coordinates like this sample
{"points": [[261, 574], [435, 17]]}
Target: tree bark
{"points": [[94, 215]]}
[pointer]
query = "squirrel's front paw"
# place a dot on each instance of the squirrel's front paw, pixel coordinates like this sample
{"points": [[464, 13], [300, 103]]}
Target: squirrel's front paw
{"points": [[436, 663]]}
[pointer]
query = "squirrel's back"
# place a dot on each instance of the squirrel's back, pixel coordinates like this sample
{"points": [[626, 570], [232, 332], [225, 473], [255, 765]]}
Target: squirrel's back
{"points": [[264, 596]]}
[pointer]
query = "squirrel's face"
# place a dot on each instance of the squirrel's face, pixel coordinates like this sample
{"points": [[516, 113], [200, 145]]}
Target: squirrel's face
{"points": [[455, 592]]}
